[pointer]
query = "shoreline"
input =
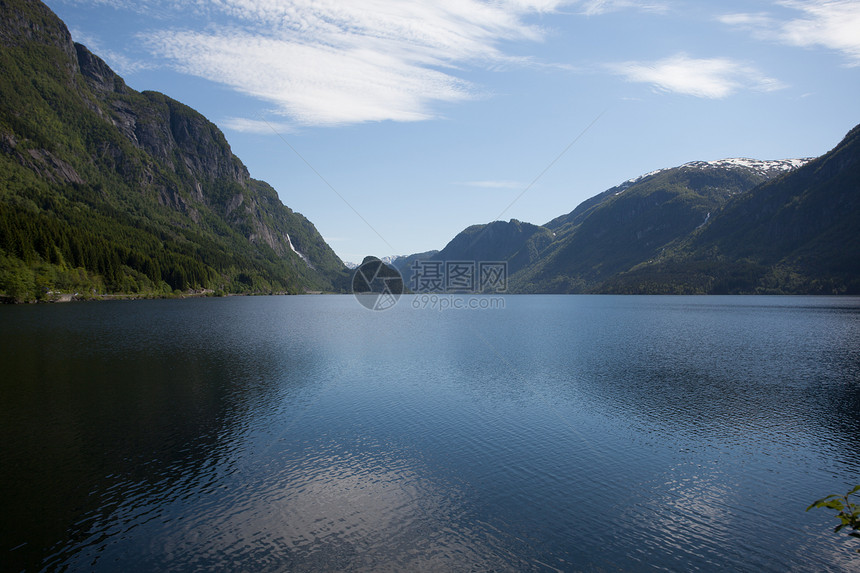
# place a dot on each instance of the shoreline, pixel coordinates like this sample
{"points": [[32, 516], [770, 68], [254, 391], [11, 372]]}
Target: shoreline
{"points": [[62, 298], [74, 298]]}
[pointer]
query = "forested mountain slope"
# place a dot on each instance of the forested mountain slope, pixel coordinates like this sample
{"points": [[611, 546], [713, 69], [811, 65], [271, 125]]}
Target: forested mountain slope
{"points": [[106, 189], [638, 220], [729, 226], [799, 233]]}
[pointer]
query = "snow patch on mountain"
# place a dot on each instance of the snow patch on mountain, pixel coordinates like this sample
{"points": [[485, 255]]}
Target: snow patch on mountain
{"points": [[767, 167], [630, 182], [387, 260]]}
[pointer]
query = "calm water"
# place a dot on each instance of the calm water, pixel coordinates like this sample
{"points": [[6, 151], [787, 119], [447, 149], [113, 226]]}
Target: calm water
{"points": [[308, 433]]}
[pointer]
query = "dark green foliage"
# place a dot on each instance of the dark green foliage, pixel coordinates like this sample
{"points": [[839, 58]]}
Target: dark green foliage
{"points": [[798, 234], [514, 242], [848, 512], [719, 228], [631, 224], [138, 192]]}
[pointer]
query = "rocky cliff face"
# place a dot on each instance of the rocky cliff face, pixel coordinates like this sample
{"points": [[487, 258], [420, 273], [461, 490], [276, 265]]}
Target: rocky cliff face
{"points": [[140, 158]]}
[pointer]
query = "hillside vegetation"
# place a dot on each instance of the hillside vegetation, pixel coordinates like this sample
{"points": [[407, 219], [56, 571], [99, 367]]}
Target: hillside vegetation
{"points": [[107, 190]]}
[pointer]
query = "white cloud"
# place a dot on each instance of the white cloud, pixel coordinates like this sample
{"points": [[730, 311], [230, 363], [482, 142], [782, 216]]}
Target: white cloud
{"points": [[331, 62], [314, 84], [832, 24], [713, 78]]}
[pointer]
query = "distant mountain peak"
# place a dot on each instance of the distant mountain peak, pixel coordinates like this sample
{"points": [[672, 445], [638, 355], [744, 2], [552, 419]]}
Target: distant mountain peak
{"points": [[764, 166], [734, 225], [389, 260]]}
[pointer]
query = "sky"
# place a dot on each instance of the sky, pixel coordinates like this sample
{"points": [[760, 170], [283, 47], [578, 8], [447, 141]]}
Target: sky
{"points": [[394, 124]]}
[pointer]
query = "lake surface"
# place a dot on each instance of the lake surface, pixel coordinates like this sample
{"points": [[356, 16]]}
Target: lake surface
{"points": [[307, 433]]}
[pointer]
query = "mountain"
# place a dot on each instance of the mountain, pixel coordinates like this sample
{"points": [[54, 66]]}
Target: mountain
{"points": [[728, 226], [399, 262], [515, 243], [728, 177], [634, 222], [106, 189], [404, 263], [799, 233]]}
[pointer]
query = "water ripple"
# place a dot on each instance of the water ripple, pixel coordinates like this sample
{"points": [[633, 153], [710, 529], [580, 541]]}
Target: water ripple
{"points": [[308, 434]]}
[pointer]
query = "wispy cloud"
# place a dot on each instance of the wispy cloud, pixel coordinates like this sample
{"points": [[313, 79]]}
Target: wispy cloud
{"points": [[750, 21], [596, 7], [491, 184], [832, 24], [713, 78], [329, 63], [313, 84], [246, 125]]}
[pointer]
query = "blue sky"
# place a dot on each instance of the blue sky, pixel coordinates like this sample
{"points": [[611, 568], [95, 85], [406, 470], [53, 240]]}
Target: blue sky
{"points": [[394, 124]]}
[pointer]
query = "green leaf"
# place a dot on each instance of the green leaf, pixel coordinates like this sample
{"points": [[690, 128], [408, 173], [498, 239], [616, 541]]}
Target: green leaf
{"points": [[853, 491], [833, 504], [821, 502]]}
